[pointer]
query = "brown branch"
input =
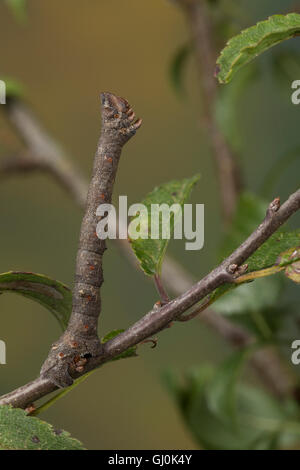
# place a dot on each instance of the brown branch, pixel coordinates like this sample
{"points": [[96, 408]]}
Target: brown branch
{"points": [[44, 154], [158, 319], [80, 340], [227, 169]]}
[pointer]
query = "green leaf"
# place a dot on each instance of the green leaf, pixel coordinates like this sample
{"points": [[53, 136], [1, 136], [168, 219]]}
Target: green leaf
{"points": [[19, 9], [21, 432], [251, 42], [221, 392], [248, 298], [259, 417], [177, 67], [150, 252], [264, 293], [52, 294], [250, 212]]}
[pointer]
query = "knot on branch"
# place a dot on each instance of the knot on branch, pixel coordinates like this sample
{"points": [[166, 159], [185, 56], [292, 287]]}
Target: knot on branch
{"points": [[69, 357], [118, 116], [235, 271]]}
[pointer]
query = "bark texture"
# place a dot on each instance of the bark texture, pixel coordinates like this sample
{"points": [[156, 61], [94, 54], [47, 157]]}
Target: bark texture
{"points": [[80, 341]]}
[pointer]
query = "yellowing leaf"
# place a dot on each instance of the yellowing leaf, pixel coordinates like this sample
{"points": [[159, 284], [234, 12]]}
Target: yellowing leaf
{"points": [[291, 256]]}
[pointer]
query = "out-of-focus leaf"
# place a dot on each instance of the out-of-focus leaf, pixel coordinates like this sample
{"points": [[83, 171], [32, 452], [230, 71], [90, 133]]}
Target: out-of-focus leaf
{"points": [[19, 8], [251, 42], [227, 105], [268, 253], [278, 168], [248, 298], [286, 66], [259, 418], [150, 252], [52, 294], [21, 432], [227, 16], [221, 391], [177, 68], [250, 212]]}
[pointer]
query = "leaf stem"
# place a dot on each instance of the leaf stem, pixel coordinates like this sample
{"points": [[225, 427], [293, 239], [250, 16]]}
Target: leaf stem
{"points": [[161, 290], [260, 273]]}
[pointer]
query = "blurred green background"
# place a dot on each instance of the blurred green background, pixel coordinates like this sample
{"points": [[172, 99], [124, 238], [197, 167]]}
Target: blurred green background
{"points": [[66, 53]]}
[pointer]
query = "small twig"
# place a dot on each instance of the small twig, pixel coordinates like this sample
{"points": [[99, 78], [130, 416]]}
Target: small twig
{"points": [[153, 341], [80, 340], [157, 320], [161, 290], [16, 164]]}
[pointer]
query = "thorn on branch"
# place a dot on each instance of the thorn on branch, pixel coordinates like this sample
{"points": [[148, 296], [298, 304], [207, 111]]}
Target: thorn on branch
{"points": [[154, 342], [274, 206]]}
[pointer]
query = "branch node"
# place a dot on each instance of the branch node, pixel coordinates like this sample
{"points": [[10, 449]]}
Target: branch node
{"points": [[232, 268]]}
